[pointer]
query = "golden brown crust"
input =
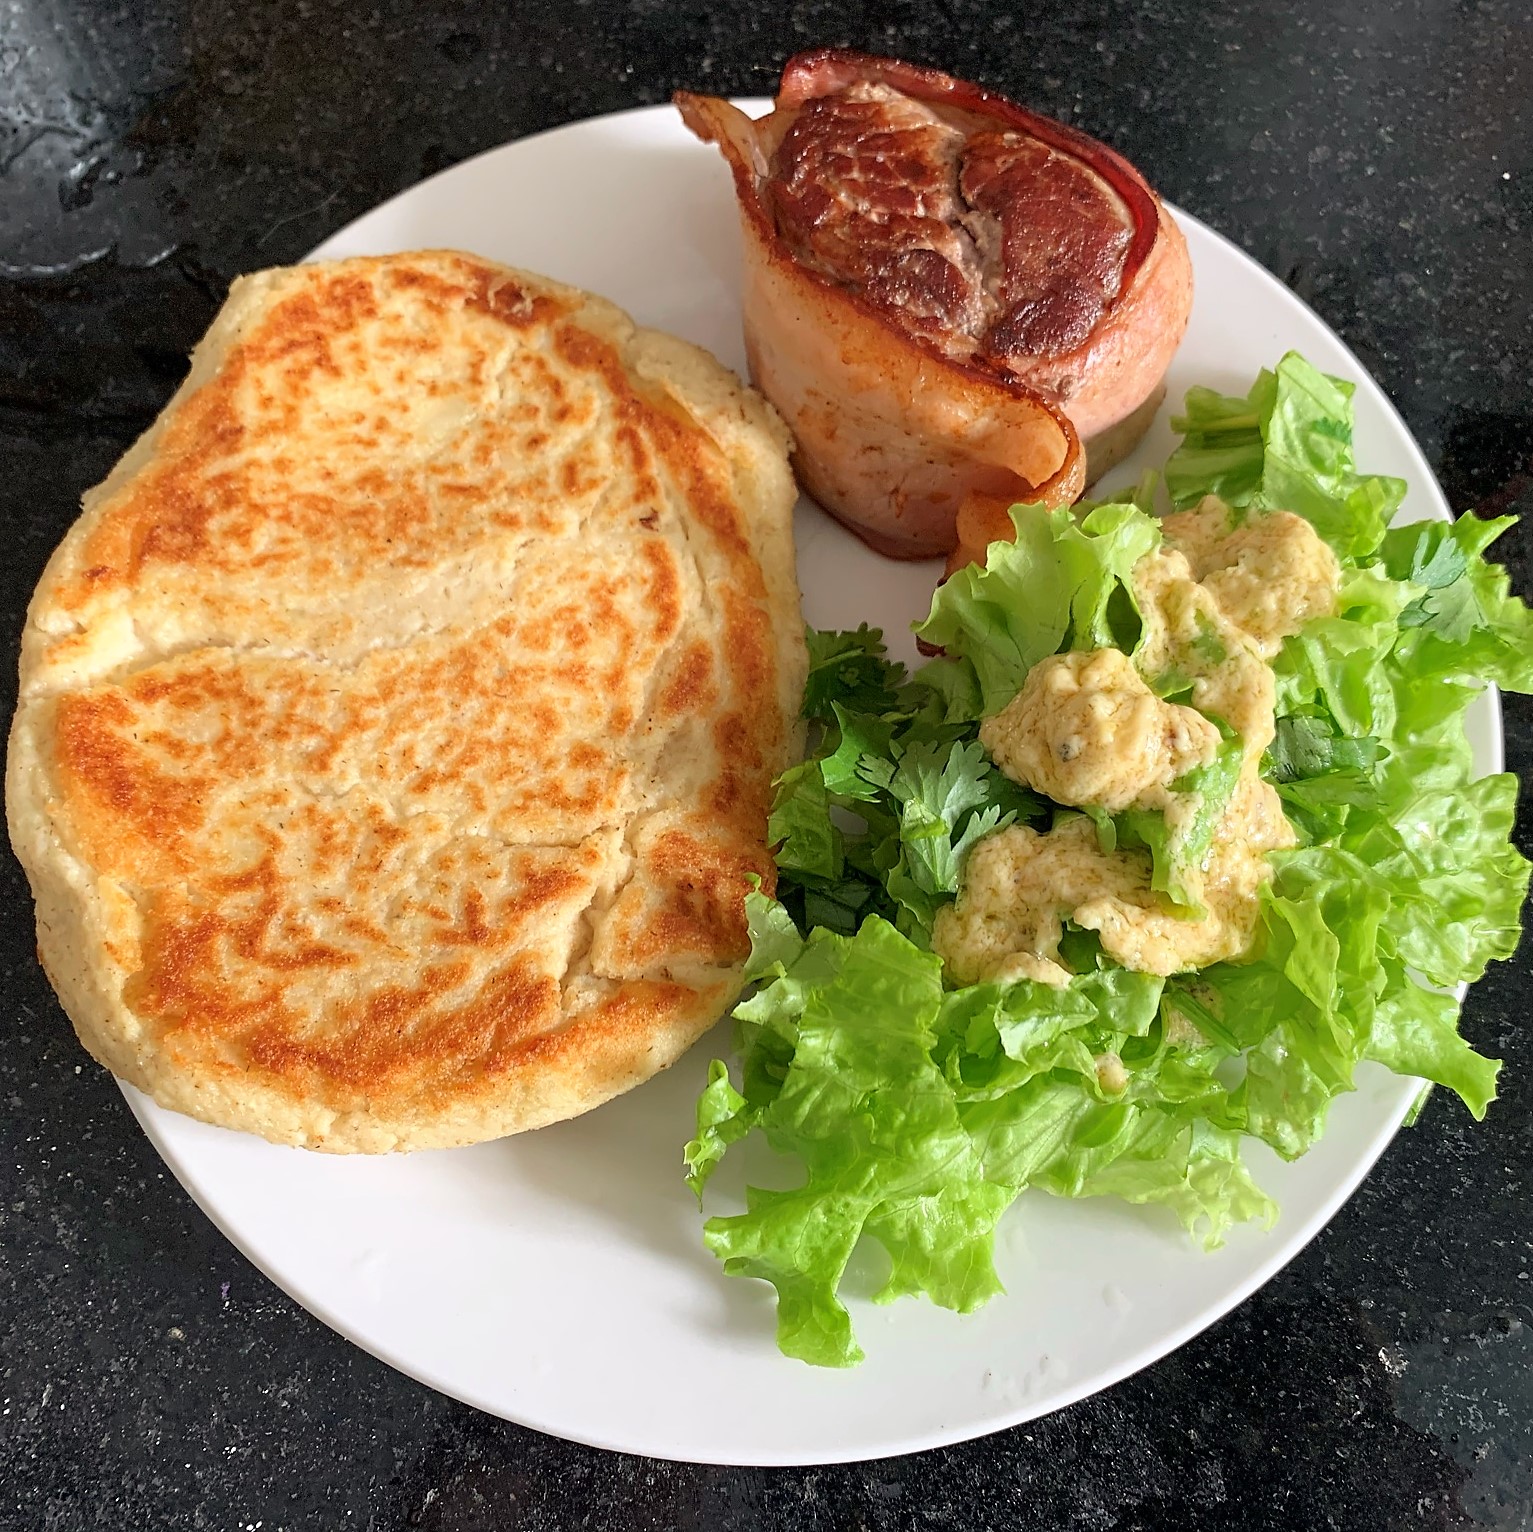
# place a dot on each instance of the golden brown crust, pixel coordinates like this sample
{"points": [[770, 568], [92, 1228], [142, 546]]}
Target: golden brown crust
{"points": [[397, 723]]}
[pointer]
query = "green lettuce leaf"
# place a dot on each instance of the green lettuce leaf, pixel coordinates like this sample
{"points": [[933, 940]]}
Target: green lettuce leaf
{"points": [[917, 1115], [1063, 584], [1286, 446], [1415, 1032], [1466, 624], [1435, 891], [723, 1118], [865, 1108], [1456, 882]]}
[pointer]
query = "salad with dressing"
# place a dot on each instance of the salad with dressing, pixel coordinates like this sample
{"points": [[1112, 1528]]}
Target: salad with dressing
{"points": [[1180, 828]]}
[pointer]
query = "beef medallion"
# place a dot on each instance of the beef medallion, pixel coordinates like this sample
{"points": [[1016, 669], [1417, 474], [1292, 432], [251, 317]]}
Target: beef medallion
{"points": [[945, 293]]}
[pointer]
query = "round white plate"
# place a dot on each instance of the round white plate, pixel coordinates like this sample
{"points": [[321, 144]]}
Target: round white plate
{"points": [[559, 1279]]}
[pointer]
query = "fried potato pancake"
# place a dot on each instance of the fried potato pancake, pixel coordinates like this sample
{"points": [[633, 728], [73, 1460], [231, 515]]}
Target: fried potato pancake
{"points": [[397, 723]]}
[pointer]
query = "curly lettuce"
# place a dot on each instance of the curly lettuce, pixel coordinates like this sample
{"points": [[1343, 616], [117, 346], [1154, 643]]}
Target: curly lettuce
{"points": [[917, 1111]]}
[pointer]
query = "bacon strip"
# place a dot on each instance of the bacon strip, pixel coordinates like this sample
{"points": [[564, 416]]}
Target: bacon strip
{"points": [[942, 289]]}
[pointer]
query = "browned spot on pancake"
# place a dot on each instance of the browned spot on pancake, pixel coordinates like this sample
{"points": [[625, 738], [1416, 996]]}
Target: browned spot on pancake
{"points": [[482, 289], [741, 786], [748, 641], [212, 496], [640, 460], [632, 1015], [220, 973], [691, 906], [406, 1033], [664, 588], [477, 926], [505, 299], [691, 687], [704, 908], [299, 333], [117, 782], [653, 421]]}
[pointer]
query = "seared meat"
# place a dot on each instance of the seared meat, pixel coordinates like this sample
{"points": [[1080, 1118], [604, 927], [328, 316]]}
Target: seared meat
{"points": [[987, 245], [1064, 241], [865, 189]]}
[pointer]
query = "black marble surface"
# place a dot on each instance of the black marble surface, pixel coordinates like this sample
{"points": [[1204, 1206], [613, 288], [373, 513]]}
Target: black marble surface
{"points": [[1378, 156]]}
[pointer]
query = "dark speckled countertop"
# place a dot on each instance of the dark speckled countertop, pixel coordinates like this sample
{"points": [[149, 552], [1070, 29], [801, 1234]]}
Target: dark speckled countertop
{"points": [[1377, 156]]}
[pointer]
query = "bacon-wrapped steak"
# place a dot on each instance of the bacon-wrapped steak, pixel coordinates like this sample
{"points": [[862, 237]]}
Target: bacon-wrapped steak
{"points": [[939, 286]]}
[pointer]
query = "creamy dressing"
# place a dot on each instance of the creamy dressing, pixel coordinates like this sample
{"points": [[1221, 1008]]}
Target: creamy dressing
{"points": [[1270, 575], [1085, 729], [1088, 730]]}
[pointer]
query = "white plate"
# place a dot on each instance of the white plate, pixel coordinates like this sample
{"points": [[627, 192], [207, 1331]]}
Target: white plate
{"points": [[559, 1279]]}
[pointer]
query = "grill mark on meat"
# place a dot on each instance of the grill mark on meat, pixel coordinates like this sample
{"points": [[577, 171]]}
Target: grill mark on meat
{"points": [[985, 245]]}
